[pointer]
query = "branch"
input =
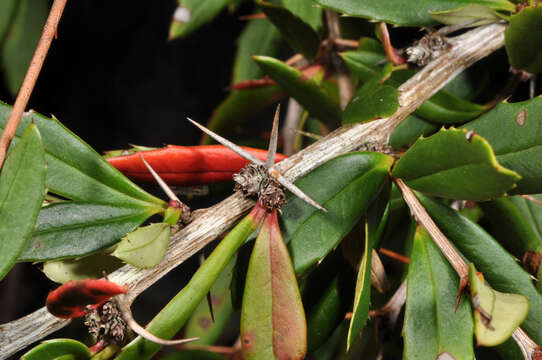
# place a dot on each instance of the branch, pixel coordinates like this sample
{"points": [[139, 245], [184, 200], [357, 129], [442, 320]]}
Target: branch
{"points": [[47, 35], [467, 49]]}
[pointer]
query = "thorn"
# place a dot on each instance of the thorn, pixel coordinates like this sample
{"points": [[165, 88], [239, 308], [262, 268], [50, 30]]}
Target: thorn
{"points": [[272, 150], [308, 134], [462, 285], [237, 149], [209, 297], [160, 182], [295, 190], [141, 331]]}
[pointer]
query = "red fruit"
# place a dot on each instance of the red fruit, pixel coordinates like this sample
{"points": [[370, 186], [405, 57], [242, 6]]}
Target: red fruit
{"points": [[74, 298]]}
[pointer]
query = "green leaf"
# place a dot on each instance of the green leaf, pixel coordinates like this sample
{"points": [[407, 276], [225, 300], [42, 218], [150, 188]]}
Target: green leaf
{"points": [[201, 324], [432, 325], [480, 248], [145, 247], [297, 33], [409, 130], [72, 229], [51, 349], [93, 266], [272, 317], [375, 223], [511, 227], [373, 100], [259, 37], [306, 10], [306, 91], [239, 106], [442, 108], [191, 14], [496, 314], [312, 234], [174, 315], [75, 171], [523, 47], [21, 40], [411, 13], [514, 131], [472, 14], [531, 211], [7, 9], [470, 173], [22, 190]]}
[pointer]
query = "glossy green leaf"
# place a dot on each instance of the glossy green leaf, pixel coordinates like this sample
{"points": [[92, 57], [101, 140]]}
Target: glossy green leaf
{"points": [[312, 234], [93, 266], [201, 323], [511, 227], [472, 173], [259, 37], [306, 10], [373, 100], [432, 325], [273, 322], [75, 171], [21, 40], [72, 229], [496, 314], [297, 33], [174, 315], [328, 294], [7, 9], [480, 248], [531, 211], [514, 131], [145, 247], [442, 108], [51, 349], [472, 14], [522, 45], [375, 222], [306, 91], [22, 190], [409, 13], [409, 130], [239, 106], [190, 15]]}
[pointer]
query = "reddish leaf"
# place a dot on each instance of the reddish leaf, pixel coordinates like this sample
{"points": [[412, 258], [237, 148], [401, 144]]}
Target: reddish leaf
{"points": [[72, 299]]}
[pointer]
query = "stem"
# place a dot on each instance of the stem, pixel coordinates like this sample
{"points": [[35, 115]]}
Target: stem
{"points": [[345, 87], [391, 53], [422, 217], [468, 48], [47, 35]]}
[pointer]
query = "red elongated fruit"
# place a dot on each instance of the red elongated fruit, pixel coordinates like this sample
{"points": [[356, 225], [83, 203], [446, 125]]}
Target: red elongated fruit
{"points": [[72, 299], [187, 165]]}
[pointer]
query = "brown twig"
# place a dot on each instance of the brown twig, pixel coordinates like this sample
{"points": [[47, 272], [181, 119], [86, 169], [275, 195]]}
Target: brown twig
{"points": [[394, 255], [47, 35], [345, 87], [391, 53], [422, 217], [532, 198]]}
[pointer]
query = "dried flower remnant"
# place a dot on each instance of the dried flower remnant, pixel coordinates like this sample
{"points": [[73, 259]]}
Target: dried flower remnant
{"points": [[428, 48], [106, 324]]}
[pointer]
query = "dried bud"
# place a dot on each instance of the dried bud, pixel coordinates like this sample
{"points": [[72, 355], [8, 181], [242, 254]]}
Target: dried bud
{"points": [[255, 180], [106, 324], [428, 48]]}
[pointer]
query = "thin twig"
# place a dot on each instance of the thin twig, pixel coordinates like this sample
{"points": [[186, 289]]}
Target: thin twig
{"points": [[422, 217], [532, 198], [210, 224], [391, 53], [345, 86], [47, 35], [293, 115]]}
